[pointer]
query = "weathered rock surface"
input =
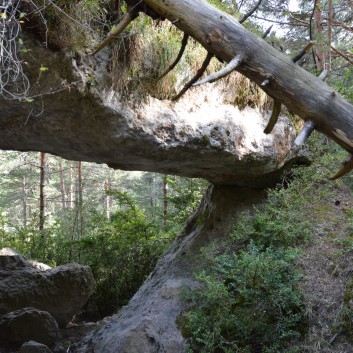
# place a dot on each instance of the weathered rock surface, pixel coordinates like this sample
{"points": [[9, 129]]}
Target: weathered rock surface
{"points": [[28, 324], [34, 347], [200, 136], [62, 291], [149, 323]]}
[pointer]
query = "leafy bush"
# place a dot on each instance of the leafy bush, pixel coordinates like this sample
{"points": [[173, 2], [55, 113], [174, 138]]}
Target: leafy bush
{"points": [[121, 254], [248, 303]]}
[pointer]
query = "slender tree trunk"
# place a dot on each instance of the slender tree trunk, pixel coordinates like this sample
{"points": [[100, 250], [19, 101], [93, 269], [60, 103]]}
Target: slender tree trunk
{"points": [[329, 36], [71, 187], [107, 198], [318, 22], [62, 187], [80, 197], [41, 191], [165, 200], [24, 201]]}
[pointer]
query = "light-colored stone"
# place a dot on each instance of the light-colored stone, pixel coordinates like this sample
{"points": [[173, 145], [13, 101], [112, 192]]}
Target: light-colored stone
{"points": [[28, 324], [151, 323], [34, 347]]}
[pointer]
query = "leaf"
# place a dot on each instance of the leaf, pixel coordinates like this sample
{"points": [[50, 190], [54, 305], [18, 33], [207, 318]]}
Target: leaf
{"points": [[3, 15], [29, 100], [43, 68], [22, 14]]}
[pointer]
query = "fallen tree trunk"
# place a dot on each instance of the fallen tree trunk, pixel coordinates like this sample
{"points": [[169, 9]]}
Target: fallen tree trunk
{"points": [[301, 92]]}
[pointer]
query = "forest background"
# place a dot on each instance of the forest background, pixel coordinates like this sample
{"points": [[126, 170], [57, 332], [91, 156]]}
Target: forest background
{"points": [[119, 223]]}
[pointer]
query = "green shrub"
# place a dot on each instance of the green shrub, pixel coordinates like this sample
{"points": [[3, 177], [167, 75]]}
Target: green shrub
{"points": [[248, 303]]}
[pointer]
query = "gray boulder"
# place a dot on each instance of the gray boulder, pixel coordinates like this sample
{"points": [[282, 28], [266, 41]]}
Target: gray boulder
{"points": [[28, 324], [62, 291], [34, 347]]}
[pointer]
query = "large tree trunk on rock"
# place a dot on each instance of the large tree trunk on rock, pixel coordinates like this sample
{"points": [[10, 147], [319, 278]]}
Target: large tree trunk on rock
{"points": [[149, 323], [302, 93]]}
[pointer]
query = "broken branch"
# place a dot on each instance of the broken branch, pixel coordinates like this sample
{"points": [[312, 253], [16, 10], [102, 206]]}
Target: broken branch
{"points": [[344, 56], [267, 32], [232, 65], [323, 75], [274, 116], [180, 54], [248, 14], [114, 33], [346, 167], [304, 133], [303, 52], [199, 73]]}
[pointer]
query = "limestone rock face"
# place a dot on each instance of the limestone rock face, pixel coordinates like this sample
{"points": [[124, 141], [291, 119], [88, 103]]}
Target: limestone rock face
{"points": [[151, 322], [199, 136], [28, 324], [62, 291]]}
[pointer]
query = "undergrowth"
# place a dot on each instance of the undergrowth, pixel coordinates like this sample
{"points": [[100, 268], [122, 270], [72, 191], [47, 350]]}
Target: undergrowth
{"points": [[249, 299]]}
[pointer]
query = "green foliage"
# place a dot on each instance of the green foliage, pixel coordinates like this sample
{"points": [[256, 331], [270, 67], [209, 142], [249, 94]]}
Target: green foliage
{"points": [[345, 85], [249, 303], [121, 253], [184, 197]]}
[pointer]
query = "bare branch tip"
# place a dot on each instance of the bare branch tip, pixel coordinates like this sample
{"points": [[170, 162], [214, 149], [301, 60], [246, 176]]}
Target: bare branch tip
{"points": [[274, 116], [232, 65], [346, 167]]}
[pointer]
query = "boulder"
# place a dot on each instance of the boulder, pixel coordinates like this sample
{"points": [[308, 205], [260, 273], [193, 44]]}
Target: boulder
{"points": [[28, 324], [34, 347], [202, 135], [62, 291]]}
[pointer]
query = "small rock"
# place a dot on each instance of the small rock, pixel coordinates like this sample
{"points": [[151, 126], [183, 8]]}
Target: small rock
{"points": [[28, 324], [34, 347]]}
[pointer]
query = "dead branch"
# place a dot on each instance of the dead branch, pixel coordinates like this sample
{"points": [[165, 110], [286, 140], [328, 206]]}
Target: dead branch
{"points": [[323, 75], [276, 110], [199, 73], [304, 133], [298, 56], [267, 32], [343, 55], [184, 42], [346, 167], [248, 14], [232, 65], [115, 32]]}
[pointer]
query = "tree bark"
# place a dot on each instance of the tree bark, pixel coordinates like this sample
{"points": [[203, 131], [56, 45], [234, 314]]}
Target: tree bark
{"points": [[318, 22], [41, 192], [62, 186], [302, 93], [165, 200], [24, 201]]}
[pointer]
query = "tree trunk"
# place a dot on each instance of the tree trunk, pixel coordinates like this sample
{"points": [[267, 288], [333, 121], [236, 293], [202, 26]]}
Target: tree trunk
{"points": [[62, 187], [318, 23], [107, 198], [41, 192], [79, 204], [24, 201], [165, 200], [71, 187], [302, 93]]}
